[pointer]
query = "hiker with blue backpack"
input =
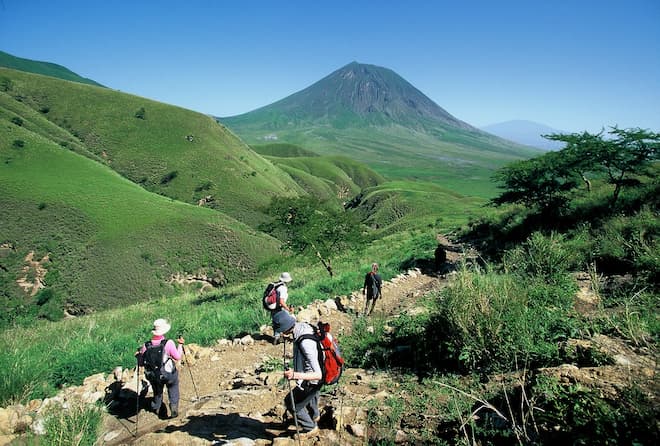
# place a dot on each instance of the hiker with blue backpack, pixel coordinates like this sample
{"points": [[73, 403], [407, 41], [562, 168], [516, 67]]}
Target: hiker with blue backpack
{"points": [[274, 300], [157, 356], [303, 400]]}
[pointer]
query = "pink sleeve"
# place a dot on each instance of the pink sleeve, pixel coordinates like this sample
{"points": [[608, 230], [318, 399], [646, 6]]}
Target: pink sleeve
{"points": [[172, 351]]}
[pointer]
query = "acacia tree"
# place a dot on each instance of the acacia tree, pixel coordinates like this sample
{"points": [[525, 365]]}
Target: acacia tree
{"points": [[542, 181], [545, 180], [309, 226], [621, 156]]}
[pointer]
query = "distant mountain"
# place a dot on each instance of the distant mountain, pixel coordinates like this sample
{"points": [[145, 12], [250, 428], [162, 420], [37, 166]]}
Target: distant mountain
{"points": [[525, 132], [373, 115], [44, 68]]}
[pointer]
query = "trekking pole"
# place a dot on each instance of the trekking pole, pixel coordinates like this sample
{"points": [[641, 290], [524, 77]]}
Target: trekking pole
{"points": [[137, 393], [185, 356], [293, 401]]}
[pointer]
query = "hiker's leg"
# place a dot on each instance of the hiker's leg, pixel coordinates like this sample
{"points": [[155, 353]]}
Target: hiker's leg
{"points": [[302, 398], [313, 407], [157, 388], [173, 393], [372, 304]]}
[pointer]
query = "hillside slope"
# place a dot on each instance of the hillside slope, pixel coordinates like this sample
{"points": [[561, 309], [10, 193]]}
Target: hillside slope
{"points": [[44, 68], [92, 238], [168, 150]]}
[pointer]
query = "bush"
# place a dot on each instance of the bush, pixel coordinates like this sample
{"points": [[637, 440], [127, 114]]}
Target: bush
{"points": [[539, 256], [491, 322], [76, 425], [169, 177], [140, 114], [16, 120]]}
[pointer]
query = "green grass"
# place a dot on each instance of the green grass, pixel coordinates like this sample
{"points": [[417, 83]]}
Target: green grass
{"points": [[399, 205], [44, 68], [110, 242], [456, 160], [44, 356], [329, 177], [168, 150]]}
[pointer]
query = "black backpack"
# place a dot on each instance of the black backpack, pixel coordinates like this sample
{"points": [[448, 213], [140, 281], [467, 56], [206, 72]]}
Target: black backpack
{"points": [[154, 359], [271, 300]]}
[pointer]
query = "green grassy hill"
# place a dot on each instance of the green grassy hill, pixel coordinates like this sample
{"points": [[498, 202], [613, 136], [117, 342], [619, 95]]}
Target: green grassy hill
{"points": [[45, 68], [108, 241], [329, 177], [398, 206], [372, 115], [168, 150]]}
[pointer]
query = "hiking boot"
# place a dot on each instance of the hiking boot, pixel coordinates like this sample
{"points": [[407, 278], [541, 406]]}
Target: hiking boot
{"points": [[174, 411], [309, 434]]}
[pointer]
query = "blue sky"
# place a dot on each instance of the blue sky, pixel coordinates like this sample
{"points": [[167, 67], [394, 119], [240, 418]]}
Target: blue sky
{"points": [[573, 65]]}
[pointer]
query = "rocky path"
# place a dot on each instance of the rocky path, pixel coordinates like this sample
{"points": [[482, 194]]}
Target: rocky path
{"points": [[232, 393]]}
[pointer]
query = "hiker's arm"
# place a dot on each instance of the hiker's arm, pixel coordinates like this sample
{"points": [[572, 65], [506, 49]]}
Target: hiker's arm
{"points": [[308, 348], [174, 352], [138, 354], [304, 376]]}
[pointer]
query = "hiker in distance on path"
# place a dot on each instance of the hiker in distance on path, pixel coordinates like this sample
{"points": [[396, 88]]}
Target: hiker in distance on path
{"points": [[371, 288], [282, 295], [157, 356], [306, 372]]}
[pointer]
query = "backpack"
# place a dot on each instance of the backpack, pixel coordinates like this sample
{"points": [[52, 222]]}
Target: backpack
{"points": [[270, 299], [154, 359], [330, 358]]}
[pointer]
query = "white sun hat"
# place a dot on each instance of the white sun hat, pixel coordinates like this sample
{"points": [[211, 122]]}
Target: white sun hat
{"points": [[161, 326]]}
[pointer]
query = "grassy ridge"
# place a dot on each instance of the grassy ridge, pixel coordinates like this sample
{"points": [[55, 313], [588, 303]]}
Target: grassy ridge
{"points": [[44, 68], [401, 205], [329, 177], [460, 161], [168, 150], [110, 241]]}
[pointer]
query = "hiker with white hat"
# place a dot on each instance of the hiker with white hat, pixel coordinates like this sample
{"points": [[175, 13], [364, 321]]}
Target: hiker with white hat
{"points": [[282, 291], [157, 356]]}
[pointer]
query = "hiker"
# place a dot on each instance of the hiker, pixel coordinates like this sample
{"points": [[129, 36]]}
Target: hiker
{"points": [[372, 288], [165, 373], [440, 256], [306, 372], [281, 305]]}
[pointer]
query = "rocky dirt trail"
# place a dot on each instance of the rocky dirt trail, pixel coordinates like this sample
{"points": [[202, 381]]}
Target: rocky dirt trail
{"points": [[232, 393]]}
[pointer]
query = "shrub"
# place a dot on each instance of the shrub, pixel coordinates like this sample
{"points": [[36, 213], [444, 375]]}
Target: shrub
{"points": [[490, 322], [140, 113], [16, 120], [540, 256], [169, 177], [5, 84], [78, 424], [18, 144]]}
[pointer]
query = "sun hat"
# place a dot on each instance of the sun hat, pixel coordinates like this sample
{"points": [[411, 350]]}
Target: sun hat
{"points": [[161, 326], [285, 277], [283, 322]]}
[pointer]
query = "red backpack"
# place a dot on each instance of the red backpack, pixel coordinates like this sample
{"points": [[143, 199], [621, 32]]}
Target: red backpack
{"points": [[330, 358]]}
